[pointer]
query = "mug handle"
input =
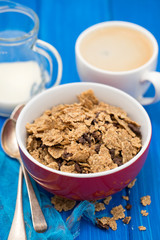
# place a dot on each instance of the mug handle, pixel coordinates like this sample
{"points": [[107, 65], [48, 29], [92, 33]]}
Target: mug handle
{"points": [[154, 78], [48, 51]]}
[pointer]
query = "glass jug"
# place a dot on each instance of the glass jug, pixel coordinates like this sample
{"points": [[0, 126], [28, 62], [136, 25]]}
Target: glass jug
{"points": [[26, 63]]}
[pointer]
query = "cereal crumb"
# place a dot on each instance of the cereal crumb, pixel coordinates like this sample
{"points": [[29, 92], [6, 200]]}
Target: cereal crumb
{"points": [[106, 222], [99, 207], [126, 220], [107, 200], [131, 184], [118, 212], [142, 228], [146, 200], [125, 198], [61, 203], [144, 213]]}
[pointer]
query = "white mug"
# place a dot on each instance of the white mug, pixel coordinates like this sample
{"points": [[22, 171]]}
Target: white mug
{"points": [[135, 81]]}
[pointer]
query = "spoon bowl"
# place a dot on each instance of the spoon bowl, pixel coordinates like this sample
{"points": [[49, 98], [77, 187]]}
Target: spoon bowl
{"points": [[8, 139]]}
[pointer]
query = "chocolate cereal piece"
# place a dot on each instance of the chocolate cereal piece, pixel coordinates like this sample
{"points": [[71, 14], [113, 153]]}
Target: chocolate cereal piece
{"points": [[146, 200], [85, 137], [101, 225], [135, 129], [128, 206], [126, 220], [106, 222]]}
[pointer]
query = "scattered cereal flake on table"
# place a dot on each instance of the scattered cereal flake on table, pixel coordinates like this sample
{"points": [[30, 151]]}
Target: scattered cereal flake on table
{"points": [[99, 206], [118, 212], [128, 206], [144, 213], [131, 184], [61, 203], [146, 200], [107, 200], [125, 198], [106, 222], [142, 228], [113, 224], [102, 224], [126, 220]]}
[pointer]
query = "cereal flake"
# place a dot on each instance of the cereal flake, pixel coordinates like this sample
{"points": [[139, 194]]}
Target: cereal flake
{"points": [[146, 200], [62, 204], [106, 222], [131, 184], [142, 228], [144, 213], [99, 207], [118, 212], [107, 200], [125, 198]]}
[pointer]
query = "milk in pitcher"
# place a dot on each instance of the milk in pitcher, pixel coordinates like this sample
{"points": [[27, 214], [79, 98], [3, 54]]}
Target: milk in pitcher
{"points": [[19, 81]]}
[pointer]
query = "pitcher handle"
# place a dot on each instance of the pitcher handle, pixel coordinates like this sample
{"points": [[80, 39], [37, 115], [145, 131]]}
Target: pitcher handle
{"points": [[49, 52]]}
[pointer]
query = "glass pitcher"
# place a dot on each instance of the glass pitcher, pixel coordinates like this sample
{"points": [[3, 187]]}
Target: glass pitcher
{"points": [[26, 63]]}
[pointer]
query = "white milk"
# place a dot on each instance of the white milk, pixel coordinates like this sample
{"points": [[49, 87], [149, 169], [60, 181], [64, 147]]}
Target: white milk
{"points": [[17, 79]]}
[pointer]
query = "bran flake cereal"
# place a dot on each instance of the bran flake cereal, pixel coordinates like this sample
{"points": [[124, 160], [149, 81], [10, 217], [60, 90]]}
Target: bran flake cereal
{"points": [[142, 228], [107, 200], [125, 198], [99, 206], [106, 222], [85, 137], [62, 204], [144, 213], [131, 184], [118, 212], [146, 200]]}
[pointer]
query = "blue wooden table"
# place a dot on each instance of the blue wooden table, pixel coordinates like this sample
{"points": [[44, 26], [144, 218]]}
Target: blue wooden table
{"points": [[61, 21]]}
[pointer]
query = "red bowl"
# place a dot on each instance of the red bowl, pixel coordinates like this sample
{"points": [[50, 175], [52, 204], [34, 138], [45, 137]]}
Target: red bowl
{"points": [[83, 186]]}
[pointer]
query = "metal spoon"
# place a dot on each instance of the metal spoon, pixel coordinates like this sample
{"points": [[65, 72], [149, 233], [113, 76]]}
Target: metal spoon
{"points": [[17, 230], [15, 114], [10, 147]]}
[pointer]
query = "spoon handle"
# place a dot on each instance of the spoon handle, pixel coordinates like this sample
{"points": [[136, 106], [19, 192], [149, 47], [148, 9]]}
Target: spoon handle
{"points": [[39, 222], [17, 230]]}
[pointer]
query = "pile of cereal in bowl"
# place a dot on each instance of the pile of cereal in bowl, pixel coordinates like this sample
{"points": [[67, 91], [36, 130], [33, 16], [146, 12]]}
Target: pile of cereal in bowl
{"points": [[85, 137]]}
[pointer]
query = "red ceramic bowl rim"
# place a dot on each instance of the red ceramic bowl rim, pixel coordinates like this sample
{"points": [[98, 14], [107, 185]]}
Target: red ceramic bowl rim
{"points": [[89, 175]]}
